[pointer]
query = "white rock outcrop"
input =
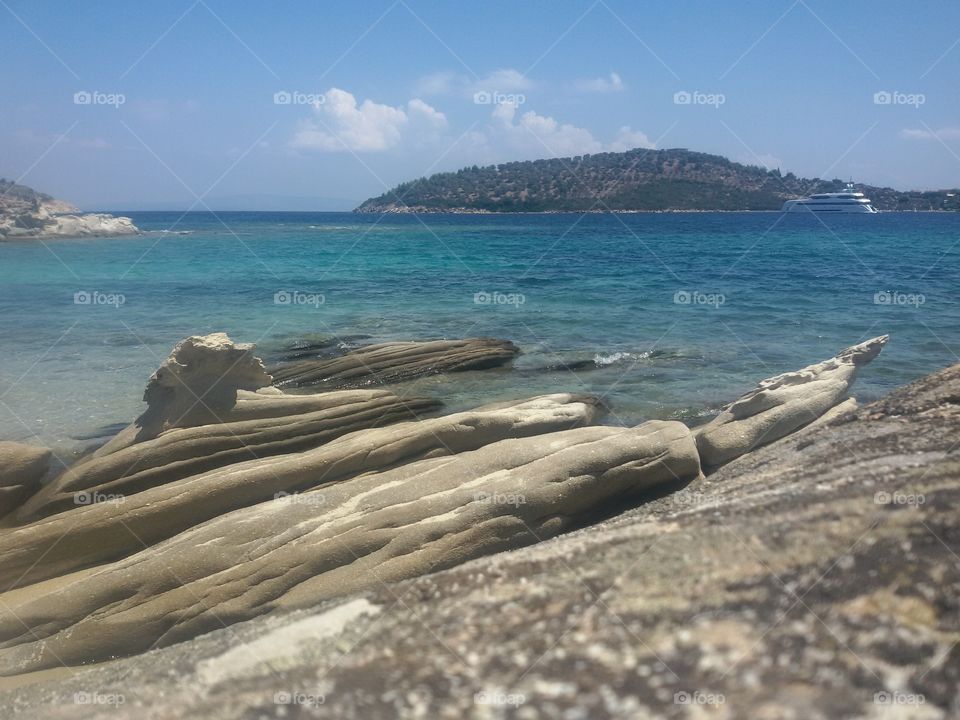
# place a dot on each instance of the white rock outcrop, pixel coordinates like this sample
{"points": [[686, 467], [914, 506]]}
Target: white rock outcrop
{"points": [[782, 404]]}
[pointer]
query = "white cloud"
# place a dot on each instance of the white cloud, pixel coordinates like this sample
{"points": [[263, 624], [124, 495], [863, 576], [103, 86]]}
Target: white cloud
{"points": [[612, 83], [507, 80], [417, 108], [628, 139], [945, 133], [532, 135], [538, 134], [340, 124]]}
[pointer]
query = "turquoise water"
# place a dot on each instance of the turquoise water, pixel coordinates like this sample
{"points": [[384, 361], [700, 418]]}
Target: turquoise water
{"points": [[592, 301]]}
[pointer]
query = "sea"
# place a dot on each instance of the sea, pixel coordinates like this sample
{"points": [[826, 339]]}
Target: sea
{"points": [[668, 315]]}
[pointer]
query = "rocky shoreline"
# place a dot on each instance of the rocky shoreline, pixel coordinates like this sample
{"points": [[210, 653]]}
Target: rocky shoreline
{"points": [[26, 214], [237, 546]]}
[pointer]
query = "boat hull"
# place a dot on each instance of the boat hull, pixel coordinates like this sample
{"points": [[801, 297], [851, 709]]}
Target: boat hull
{"points": [[801, 206]]}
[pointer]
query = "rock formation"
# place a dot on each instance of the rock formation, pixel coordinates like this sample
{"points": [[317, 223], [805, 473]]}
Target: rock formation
{"points": [[197, 385], [121, 525], [308, 422], [812, 578], [781, 405], [381, 527], [25, 213], [228, 500], [396, 361], [21, 469]]}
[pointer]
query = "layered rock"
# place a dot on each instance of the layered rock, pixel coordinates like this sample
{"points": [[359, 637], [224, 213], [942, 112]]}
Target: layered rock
{"points": [[814, 578], [783, 404], [22, 467], [197, 385], [122, 525], [350, 537], [396, 361], [280, 425]]}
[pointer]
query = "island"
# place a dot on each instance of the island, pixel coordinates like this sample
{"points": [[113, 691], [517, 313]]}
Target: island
{"points": [[638, 180]]}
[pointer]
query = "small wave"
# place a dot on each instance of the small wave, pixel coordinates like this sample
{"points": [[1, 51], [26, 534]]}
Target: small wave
{"points": [[618, 357]]}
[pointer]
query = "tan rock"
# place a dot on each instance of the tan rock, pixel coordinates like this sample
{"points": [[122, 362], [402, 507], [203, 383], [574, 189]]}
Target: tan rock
{"points": [[782, 404], [280, 425], [196, 385], [124, 525], [396, 361], [22, 467], [354, 536]]}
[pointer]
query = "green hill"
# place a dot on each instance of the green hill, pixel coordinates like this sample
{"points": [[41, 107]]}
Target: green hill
{"points": [[635, 180]]}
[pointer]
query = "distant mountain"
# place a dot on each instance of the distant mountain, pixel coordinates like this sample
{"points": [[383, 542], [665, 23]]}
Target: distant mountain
{"points": [[638, 179]]}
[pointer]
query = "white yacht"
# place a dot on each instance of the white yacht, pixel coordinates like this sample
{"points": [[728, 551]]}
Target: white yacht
{"points": [[848, 201]]}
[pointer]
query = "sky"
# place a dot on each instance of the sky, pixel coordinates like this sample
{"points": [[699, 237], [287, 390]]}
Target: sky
{"points": [[297, 105]]}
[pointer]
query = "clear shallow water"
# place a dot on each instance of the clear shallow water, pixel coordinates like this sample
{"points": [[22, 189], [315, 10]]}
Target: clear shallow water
{"points": [[767, 293]]}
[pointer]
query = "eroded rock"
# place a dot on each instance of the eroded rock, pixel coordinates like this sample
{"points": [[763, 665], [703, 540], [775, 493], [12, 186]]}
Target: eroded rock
{"points": [[349, 537], [396, 361], [196, 385], [782, 404], [22, 467], [279, 425], [814, 578], [119, 526]]}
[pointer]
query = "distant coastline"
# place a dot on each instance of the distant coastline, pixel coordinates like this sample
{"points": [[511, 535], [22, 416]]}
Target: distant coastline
{"points": [[26, 214], [408, 210]]}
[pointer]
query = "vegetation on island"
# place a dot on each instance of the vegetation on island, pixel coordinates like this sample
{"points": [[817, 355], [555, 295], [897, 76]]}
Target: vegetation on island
{"points": [[636, 180]]}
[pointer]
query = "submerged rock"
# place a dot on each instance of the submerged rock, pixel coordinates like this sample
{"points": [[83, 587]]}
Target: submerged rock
{"points": [[396, 361], [354, 536], [782, 404], [22, 467]]}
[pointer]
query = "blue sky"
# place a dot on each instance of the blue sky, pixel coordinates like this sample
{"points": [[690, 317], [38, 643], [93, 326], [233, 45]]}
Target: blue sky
{"points": [[185, 98]]}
